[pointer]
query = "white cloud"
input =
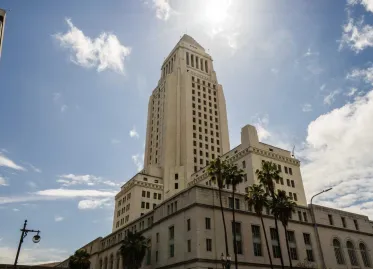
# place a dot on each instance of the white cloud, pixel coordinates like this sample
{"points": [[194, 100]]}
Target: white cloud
{"points": [[89, 180], [307, 108], [15, 209], [32, 256], [138, 161], [34, 168], [338, 154], [261, 124], [104, 52], [357, 35], [330, 98], [134, 133], [310, 53], [67, 193], [3, 181], [58, 218], [93, 203], [352, 92], [368, 4], [322, 87], [162, 9], [365, 74], [6, 162]]}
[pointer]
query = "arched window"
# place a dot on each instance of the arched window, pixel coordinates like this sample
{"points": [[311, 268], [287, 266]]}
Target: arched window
{"points": [[105, 263], [118, 261], [365, 255], [101, 264], [111, 261], [352, 253], [338, 252]]}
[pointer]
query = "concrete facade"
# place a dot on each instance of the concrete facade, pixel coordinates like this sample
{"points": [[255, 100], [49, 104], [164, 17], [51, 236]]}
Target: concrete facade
{"points": [[195, 219]]}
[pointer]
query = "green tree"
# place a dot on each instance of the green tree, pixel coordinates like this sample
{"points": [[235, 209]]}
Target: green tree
{"points": [[215, 170], [267, 176], [80, 260], [257, 198], [282, 208], [133, 250], [233, 176]]}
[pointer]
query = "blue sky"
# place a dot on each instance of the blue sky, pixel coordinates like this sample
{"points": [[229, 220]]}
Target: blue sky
{"points": [[75, 77]]}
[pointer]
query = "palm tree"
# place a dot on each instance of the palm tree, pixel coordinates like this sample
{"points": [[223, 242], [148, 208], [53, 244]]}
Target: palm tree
{"points": [[258, 198], [282, 208], [215, 171], [80, 260], [133, 250], [266, 176], [233, 176]]}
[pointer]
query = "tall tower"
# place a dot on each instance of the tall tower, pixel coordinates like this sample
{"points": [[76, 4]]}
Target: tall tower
{"points": [[187, 120]]}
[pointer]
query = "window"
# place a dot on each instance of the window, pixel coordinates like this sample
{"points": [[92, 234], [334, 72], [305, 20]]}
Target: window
{"points": [[356, 224], [275, 247], [156, 256], [293, 184], [172, 250], [148, 256], [307, 239], [352, 253], [155, 195], [295, 196], [208, 244], [286, 169], [176, 186], [159, 196], [147, 205], [343, 222], [330, 217], [187, 58], [257, 244], [188, 224], [365, 255], [143, 193], [279, 168], [148, 194], [171, 232], [208, 223], [305, 217], [300, 216], [290, 171], [142, 204], [309, 253], [288, 182], [282, 181], [338, 252], [230, 200], [189, 244], [243, 164], [237, 227], [237, 202], [157, 237]]}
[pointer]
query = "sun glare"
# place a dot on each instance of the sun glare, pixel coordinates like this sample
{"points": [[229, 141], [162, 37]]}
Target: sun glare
{"points": [[217, 11]]}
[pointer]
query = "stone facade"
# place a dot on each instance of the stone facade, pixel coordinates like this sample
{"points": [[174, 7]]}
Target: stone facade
{"points": [[190, 223]]}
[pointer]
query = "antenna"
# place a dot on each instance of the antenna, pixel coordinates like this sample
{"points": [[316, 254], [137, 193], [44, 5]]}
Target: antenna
{"points": [[292, 152]]}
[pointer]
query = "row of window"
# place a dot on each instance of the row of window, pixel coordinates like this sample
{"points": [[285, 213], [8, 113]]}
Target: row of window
{"points": [[196, 62], [125, 198], [123, 209], [146, 194], [204, 83], [169, 67], [343, 220], [146, 205], [339, 255]]}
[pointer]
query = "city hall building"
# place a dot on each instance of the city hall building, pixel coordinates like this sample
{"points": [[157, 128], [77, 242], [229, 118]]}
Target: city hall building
{"points": [[173, 202]]}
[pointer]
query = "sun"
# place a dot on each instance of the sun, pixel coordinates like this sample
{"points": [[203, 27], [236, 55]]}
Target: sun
{"points": [[217, 11]]}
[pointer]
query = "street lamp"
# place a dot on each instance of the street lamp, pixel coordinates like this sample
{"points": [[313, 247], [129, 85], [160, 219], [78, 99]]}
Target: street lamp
{"points": [[225, 261], [315, 226], [35, 239]]}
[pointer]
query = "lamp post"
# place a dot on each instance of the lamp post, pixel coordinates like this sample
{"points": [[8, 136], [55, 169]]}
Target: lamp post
{"points": [[35, 239], [315, 227], [225, 261]]}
